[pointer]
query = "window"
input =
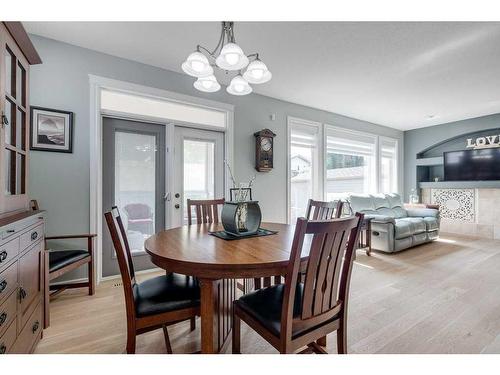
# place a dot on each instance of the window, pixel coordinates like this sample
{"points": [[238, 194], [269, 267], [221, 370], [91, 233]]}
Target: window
{"points": [[350, 162], [142, 105], [388, 151], [303, 165], [343, 161]]}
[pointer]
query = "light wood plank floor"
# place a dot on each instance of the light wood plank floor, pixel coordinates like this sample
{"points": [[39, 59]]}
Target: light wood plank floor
{"points": [[442, 297]]}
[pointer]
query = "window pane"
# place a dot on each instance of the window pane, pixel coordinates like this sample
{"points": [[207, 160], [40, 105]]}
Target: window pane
{"points": [[135, 185], [117, 101], [303, 168], [350, 163], [388, 166], [199, 170]]}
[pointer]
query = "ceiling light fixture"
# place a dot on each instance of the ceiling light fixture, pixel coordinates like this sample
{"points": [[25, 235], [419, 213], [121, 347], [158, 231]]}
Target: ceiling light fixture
{"points": [[228, 56]]}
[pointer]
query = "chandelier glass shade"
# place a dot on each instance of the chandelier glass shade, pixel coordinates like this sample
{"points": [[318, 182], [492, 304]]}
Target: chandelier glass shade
{"points": [[229, 57], [239, 86], [207, 84], [197, 65], [257, 73]]}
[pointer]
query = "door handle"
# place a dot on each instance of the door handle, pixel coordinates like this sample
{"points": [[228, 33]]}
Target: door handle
{"points": [[167, 197]]}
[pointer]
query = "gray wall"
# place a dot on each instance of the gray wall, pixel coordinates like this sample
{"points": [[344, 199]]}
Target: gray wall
{"points": [[61, 181], [418, 140]]}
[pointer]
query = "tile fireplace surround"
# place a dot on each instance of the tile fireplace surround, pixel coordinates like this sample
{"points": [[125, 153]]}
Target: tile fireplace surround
{"points": [[474, 212]]}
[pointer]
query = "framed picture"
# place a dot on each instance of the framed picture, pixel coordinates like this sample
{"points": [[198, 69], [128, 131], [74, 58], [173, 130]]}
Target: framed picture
{"points": [[51, 130]]}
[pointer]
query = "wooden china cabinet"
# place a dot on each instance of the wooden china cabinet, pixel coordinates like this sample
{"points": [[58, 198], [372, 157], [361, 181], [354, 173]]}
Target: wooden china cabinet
{"points": [[21, 230]]}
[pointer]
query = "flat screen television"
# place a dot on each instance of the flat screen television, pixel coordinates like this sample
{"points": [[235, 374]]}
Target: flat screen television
{"points": [[472, 165]]}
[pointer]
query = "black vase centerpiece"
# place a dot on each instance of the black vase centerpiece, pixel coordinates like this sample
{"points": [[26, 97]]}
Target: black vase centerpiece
{"points": [[241, 218]]}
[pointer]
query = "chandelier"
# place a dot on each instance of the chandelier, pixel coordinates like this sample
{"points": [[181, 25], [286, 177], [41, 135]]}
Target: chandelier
{"points": [[227, 56]]}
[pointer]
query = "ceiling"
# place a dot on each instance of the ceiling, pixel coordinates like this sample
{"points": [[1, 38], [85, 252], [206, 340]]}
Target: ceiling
{"points": [[404, 75]]}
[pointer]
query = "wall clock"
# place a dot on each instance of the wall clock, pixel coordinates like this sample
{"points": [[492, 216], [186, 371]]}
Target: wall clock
{"points": [[264, 142]]}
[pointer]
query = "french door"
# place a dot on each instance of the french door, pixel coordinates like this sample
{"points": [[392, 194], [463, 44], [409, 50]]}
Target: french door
{"points": [[134, 181], [198, 169]]}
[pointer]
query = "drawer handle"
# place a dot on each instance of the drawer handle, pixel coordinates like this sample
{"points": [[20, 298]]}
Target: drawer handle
{"points": [[3, 256], [11, 231], [22, 293], [3, 285], [3, 318], [35, 326], [3, 349], [34, 236]]}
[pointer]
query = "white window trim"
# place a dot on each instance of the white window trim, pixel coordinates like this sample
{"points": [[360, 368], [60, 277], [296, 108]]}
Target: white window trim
{"points": [[98, 83], [320, 178]]}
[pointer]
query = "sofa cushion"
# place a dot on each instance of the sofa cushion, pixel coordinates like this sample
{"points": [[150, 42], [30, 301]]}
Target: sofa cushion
{"points": [[431, 223], [402, 229], [417, 224], [380, 201], [394, 200], [361, 203]]}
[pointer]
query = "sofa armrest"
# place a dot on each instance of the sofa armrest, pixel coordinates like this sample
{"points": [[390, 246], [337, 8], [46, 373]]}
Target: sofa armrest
{"points": [[381, 219], [422, 212]]}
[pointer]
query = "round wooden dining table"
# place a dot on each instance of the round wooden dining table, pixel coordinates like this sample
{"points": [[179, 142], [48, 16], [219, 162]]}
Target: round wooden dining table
{"points": [[217, 263]]}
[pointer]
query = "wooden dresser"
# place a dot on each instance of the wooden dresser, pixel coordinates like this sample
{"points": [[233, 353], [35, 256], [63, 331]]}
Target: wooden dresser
{"points": [[21, 281], [21, 231]]}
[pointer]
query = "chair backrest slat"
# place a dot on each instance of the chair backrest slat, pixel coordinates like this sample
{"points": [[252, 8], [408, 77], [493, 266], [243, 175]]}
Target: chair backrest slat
{"points": [[318, 210], [122, 249], [329, 264], [207, 211]]}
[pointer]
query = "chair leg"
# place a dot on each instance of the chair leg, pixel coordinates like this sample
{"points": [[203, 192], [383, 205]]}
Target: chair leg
{"points": [[193, 323], [91, 275], [342, 337], [131, 341], [322, 341], [91, 278], [46, 292], [167, 339], [236, 334]]}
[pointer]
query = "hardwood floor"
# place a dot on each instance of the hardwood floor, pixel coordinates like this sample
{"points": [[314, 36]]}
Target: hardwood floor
{"points": [[442, 297]]}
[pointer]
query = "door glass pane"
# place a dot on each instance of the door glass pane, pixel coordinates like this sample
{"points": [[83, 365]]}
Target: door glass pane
{"points": [[20, 129], [199, 170], [10, 172], [20, 174], [10, 128], [135, 185], [21, 84], [9, 71]]}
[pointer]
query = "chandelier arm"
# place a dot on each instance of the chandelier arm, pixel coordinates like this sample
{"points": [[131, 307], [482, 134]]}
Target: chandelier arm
{"points": [[256, 55]]}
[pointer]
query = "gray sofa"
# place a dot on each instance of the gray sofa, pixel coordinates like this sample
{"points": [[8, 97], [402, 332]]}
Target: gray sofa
{"points": [[395, 228]]}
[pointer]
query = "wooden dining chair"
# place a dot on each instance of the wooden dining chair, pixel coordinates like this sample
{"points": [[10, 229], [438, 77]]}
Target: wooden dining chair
{"points": [[157, 302], [319, 210], [61, 261], [293, 315], [207, 210]]}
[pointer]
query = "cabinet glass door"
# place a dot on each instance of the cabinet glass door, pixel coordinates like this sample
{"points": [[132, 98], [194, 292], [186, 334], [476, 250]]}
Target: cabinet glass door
{"points": [[15, 125]]}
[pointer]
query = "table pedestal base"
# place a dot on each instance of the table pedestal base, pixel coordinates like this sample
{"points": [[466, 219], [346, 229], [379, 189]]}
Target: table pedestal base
{"points": [[217, 298]]}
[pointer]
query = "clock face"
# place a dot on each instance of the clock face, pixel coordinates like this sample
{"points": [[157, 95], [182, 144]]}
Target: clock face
{"points": [[265, 144]]}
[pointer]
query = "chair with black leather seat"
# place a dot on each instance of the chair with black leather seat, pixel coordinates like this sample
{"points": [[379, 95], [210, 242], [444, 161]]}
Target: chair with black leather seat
{"points": [[157, 302], [59, 262], [293, 315]]}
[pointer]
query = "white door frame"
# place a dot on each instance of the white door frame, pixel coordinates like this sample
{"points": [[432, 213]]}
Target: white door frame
{"points": [[97, 84]]}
